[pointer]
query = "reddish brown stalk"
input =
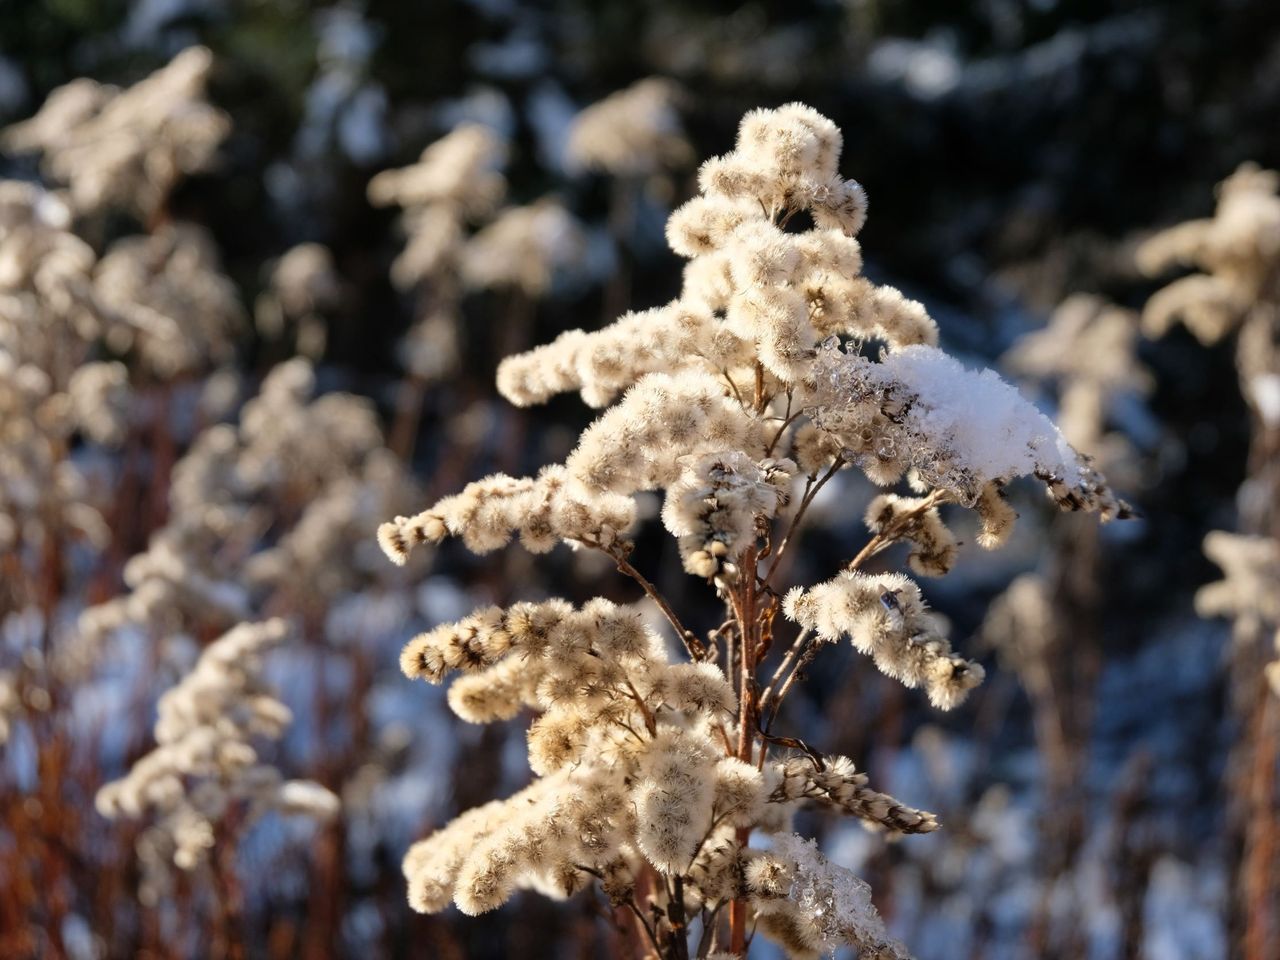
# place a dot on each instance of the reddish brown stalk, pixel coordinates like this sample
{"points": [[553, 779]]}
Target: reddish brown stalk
{"points": [[748, 629], [228, 935], [692, 645]]}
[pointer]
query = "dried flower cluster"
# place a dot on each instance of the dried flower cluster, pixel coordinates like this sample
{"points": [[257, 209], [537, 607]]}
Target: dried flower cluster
{"points": [[457, 179], [1249, 592], [303, 293], [169, 301], [205, 766], [50, 388], [457, 182], [1237, 249], [654, 776], [127, 148], [635, 132], [1237, 291], [272, 513], [319, 460]]}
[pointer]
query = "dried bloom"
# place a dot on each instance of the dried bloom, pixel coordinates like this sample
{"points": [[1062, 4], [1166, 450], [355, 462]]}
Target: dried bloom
{"points": [[713, 509], [1250, 587], [1020, 624], [995, 516], [740, 792], [674, 798], [542, 511], [166, 298], [204, 763], [1089, 351], [605, 363], [1237, 249], [838, 785], [719, 399], [523, 248], [934, 548], [635, 132], [127, 148], [823, 906], [698, 688], [460, 170], [885, 617], [99, 395], [326, 451], [1086, 339], [304, 288], [638, 444], [457, 179]]}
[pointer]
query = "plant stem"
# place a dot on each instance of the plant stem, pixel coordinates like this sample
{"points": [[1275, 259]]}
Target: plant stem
{"points": [[748, 626], [675, 911], [692, 645], [810, 493]]}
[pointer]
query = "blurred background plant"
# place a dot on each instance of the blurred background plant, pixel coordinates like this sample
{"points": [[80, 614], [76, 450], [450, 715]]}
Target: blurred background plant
{"points": [[171, 469]]}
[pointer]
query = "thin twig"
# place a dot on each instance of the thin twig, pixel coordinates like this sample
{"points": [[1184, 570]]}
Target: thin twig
{"points": [[788, 418], [692, 645], [734, 387], [796, 646], [811, 491], [806, 658]]}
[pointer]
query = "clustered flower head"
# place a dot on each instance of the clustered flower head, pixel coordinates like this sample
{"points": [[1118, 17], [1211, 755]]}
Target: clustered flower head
{"points": [[319, 460], [622, 745], [918, 409], [645, 778], [460, 170], [1250, 587], [165, 297], [55, 394], [205, 764], [523, 248], [811, 907], [885, 617], [456, 180], [304, 290], [1238, 250], [635, 132], [127, 148], [1237, 291]]}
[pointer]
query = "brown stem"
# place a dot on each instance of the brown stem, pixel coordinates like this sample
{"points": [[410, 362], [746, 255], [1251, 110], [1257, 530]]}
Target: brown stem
{"points": [[811, 491], [229, 896], [692, 645], [746, 609], [679, 925], [792, 652]]}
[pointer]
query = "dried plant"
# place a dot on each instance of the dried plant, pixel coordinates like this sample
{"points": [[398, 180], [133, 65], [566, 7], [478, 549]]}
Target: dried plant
{"points": [[661, 778], [635, 132], [54, 396], [1237, 290], [636, 139], [204, 779], [304, 291], [127, 148], [1047, 626]]}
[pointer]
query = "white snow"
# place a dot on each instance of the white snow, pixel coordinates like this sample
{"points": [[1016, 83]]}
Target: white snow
{"points": [[983, 420]]}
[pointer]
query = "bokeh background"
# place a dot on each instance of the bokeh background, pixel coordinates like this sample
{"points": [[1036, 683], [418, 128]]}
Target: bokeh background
{"points": [[1014, 153]]}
